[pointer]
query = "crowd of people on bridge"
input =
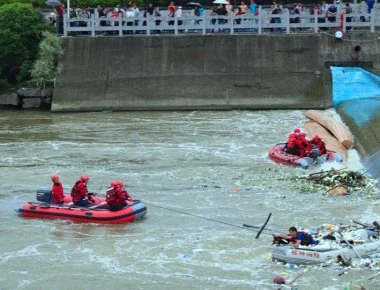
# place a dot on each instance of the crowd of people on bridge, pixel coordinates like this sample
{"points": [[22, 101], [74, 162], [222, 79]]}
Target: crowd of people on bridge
{"points": [[116, 195], [110, 16]]}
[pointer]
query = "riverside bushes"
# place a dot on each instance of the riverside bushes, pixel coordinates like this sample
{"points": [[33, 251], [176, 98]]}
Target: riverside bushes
{"points": [[21, 28]]}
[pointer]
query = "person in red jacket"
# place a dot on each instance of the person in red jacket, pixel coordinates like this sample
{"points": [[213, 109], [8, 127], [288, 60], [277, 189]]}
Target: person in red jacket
{"points": [[80, 194], [291, 147], [317, 141], [57, 190], [301, 144], [127, 196], [115, 196]]}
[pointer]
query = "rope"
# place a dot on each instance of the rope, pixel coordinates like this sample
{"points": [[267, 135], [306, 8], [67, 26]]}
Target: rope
{"points": [[207, 219], [349, 40]]}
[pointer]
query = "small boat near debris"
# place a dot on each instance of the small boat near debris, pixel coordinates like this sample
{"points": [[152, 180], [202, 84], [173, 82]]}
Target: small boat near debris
{"points": [[277, 154], [331, 242], [135, 210], [317, 254]]}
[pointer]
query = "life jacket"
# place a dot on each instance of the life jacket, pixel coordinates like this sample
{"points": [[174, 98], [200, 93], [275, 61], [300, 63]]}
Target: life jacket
{"points": [[126, 194], [114, 196], [76, 192], [291, 147], [111, 196], [300, 146], [57, 192], [307, 240], [321, 146], [279, 240]]}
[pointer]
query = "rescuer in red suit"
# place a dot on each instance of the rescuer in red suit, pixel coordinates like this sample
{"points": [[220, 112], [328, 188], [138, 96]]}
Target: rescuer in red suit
{"points": [[301, 144], [115, 196], [80, 194], [57, 190], [317, 141]]}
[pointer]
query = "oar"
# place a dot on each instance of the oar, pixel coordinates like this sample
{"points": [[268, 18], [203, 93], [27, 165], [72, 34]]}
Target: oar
{"points": [[351, 247], [374, 275], [97, 205], [361, 224], [259, 227], [299, 275], [262, 228], [256, 229]]}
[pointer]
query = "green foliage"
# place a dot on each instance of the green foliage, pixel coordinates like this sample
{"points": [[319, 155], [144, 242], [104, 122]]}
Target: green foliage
{"points": [[113, 3], [92, 3], [4, 85], [46, 68], [21, 27], [35, 3]]}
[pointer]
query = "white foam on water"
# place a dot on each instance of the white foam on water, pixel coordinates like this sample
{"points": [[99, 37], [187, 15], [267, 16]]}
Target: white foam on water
{"points": [[28, 251], [202, 165], [109, 264]]}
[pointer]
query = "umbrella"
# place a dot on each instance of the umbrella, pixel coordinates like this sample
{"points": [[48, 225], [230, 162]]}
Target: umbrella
{"points": [[194, 4], [221, 2], [52, 3]]}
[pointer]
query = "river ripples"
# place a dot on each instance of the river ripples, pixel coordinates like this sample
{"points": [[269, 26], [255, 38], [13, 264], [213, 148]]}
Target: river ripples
{"points": [[201, 174]]}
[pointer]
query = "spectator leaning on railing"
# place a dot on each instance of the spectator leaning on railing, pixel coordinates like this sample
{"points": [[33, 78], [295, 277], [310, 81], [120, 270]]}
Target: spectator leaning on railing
{"points": [[59, 20], [348, 10], [331, 13]]}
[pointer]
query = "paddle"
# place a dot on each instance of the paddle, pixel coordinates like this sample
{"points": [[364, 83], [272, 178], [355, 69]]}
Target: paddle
{"points": [[351, 247], [262, 228], [98, 205], [258, 227], [299, 275], [359, 223], [265, 231]]}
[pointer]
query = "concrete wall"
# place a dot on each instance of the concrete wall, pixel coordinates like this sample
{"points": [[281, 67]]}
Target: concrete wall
{"points": [[206, 72]]}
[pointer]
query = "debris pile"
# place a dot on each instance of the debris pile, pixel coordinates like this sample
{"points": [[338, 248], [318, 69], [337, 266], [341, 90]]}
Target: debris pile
{"points": [[339, 182]]}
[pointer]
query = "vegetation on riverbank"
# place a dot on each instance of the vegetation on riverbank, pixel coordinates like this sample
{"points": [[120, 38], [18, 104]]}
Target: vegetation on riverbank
{"points": [[46, 68], [20, 45]]}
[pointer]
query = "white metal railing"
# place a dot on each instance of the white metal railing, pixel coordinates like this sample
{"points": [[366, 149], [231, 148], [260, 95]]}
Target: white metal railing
{"points": [[264, 22]]}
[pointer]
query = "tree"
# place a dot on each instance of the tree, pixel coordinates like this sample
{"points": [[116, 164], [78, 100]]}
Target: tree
{"points": [[21, 28], [46, 68]]}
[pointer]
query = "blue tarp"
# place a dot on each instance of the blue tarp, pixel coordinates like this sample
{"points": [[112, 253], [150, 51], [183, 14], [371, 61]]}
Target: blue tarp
{"points": [[350, 83], [356, 96]]}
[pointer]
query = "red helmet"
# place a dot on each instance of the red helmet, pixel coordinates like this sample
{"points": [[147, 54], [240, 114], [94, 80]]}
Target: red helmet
{"points": [[316, 138], [292, 135], [113, 183], [84, 178], [54, 177], [120, 183], [297, 130], [302, 134]]}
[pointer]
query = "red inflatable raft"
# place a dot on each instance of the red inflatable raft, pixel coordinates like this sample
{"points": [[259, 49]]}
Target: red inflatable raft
{"points": [[277, 154], [135, 210]]}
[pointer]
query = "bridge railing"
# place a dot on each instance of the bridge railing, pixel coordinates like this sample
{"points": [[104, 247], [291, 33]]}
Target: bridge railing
{"points": [[262, 23]]}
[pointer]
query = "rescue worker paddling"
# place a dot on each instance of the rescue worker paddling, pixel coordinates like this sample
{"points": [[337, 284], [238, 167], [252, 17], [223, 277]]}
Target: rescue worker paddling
{"points": [[117, 196], [80, 194], [317, 141], [296, 238]]}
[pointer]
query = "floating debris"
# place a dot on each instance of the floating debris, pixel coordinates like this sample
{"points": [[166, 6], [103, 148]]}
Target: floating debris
{"points": [[337, 182]]}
